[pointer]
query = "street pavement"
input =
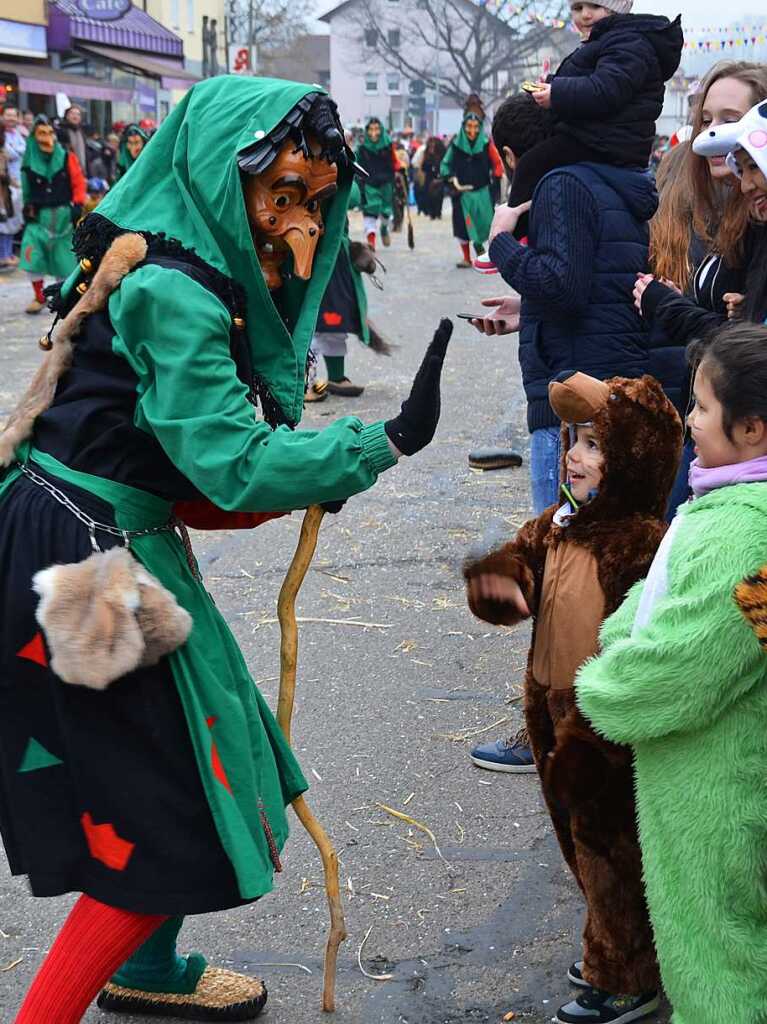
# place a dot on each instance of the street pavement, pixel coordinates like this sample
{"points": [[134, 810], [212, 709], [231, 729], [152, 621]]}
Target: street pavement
{"points": [[477, 918]]}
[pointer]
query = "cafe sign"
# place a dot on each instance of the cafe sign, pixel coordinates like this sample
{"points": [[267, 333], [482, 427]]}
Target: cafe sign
{"points": [[104, 10]]}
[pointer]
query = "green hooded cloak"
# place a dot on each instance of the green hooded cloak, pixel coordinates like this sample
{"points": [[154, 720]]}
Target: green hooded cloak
{"points": [[124, 159], [477, 205], [46, 246], [175, 335]]}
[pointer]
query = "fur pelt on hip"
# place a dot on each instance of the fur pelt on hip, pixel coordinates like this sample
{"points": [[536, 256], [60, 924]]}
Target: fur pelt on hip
{"points": [[106, 616]]}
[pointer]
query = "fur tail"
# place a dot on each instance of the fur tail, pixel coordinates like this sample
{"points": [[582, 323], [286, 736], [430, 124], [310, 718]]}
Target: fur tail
{"points": [[378, 343]]}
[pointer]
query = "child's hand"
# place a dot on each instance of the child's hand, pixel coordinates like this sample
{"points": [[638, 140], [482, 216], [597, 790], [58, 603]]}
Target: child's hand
{"points": [[491, 587], [732, 300], [642, 281], [542, 97]]}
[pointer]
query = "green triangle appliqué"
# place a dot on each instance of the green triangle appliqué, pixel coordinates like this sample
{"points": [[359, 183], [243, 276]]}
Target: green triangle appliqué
{"points": [[36, 757]]}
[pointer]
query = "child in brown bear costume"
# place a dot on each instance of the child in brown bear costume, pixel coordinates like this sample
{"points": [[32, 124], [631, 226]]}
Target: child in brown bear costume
{"points": [[569, 569]]}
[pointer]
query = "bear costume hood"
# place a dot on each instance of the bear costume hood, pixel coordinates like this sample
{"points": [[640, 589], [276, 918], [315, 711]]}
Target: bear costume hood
{"points": [[640, 435]]}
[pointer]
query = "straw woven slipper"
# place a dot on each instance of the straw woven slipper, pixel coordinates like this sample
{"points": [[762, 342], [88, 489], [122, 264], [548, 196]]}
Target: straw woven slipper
{"points": [[220, 995]]}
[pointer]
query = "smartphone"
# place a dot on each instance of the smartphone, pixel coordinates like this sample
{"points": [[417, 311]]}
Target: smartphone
{"points": [[471, 316]]}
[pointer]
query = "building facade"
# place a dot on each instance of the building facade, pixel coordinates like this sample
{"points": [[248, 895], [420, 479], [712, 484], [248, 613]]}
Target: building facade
{"points": [[365, 85], [111, 57]]}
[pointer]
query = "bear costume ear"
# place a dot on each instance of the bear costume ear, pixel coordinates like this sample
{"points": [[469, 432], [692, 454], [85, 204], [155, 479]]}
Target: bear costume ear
{"points": [[577, 398]]}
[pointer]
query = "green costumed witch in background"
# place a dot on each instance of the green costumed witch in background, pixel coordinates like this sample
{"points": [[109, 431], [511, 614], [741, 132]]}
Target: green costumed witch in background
{"points": [[344, 311], [53, 190], [467, 166], [132, 143], [375, 154], [160, 790]]}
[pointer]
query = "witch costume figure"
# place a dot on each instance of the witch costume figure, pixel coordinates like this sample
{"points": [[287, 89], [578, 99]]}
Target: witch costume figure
{"points": [[375, 154], [53, 190], [139, 764], [132, 143], [344, 311], [468, 170]]}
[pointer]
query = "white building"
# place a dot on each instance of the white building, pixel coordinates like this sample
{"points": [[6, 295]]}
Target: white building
{"points": [[365, 85]]}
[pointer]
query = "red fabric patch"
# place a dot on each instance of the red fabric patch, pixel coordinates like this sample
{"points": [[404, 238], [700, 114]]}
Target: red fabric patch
{"points": [[28, 254], [34, 651], [216, 764], [332, 319], [204, 515], [468, 222], [105, 844]]}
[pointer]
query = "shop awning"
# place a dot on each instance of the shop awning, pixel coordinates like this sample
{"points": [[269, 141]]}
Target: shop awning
{"points": [[173, 76], [135, 30], [45, 81]]}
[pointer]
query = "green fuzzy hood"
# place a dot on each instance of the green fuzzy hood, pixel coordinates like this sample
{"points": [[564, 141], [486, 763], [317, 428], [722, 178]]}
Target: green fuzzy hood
{"points": [[187, 185]]}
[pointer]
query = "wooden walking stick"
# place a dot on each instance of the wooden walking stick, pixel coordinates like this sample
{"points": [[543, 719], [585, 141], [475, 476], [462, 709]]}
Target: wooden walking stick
{"points": [[286, 613]]}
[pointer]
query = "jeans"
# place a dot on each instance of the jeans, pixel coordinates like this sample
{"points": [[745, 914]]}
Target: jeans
{"points": [[681, 489], [6, 246], [545, 458]]}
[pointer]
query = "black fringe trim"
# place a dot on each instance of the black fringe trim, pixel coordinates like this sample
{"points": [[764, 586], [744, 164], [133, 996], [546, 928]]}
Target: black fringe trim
{"points": [[93, 237]]}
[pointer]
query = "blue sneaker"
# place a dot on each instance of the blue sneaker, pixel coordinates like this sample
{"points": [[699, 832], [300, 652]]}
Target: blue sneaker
{"points": [[513, 755]]}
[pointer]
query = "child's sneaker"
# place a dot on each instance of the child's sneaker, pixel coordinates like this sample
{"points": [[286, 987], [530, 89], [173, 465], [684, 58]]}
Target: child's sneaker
{"points": [[575, 975], [512, 755], [597, 1007]]}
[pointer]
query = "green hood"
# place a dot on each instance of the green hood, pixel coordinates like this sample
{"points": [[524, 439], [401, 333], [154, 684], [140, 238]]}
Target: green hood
{"points": [[461, 141], [384, 140], [187, 185], [41, 163], [124, 160]]}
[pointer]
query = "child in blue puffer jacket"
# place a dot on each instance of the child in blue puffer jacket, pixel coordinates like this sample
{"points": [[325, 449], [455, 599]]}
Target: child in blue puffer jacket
{"points": [[606, 95]]}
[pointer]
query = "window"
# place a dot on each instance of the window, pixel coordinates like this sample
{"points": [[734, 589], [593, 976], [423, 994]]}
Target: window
{"points": [[175, 14], [393, 84], [190, 25], [371, 83], [393, 38], [371, 38]]}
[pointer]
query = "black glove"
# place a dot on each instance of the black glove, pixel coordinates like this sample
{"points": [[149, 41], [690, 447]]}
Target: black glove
{"points": [[417, 422], [333, 506], [75, 212]]}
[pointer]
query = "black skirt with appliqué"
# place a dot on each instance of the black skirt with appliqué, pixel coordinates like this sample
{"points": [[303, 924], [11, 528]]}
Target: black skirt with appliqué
{"points": [[99, 790]]}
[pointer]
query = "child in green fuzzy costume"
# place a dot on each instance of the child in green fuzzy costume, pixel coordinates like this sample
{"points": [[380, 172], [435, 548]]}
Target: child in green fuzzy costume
{"points": [[683, 679]]}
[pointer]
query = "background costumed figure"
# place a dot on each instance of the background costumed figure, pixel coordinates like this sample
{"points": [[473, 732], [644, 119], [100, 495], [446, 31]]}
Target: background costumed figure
{"points": [[375, 154], [53, 189], [468, 168], [343, 312], [193, 305], [132, 143]]}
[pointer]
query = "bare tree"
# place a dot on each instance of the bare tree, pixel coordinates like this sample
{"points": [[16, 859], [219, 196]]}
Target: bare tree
{"points": [[269, 25], [471, 48]]}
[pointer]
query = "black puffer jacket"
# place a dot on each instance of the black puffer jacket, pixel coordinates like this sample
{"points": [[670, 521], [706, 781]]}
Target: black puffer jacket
{"points": [[609, 92]]}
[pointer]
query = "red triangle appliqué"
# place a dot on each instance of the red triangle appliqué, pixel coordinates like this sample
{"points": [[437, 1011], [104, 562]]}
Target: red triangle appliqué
{"points": [[34, 651]]}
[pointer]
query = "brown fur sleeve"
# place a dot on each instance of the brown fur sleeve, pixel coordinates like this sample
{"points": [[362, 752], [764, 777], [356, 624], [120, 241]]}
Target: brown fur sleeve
{"points": [[521, 560]]}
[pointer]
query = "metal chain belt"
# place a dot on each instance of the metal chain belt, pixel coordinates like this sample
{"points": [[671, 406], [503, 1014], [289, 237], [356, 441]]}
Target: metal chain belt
{"points": [[92, 524]]}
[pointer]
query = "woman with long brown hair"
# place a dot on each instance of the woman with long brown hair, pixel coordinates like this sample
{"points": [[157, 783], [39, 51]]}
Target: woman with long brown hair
{"points": [[702, 241]]}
